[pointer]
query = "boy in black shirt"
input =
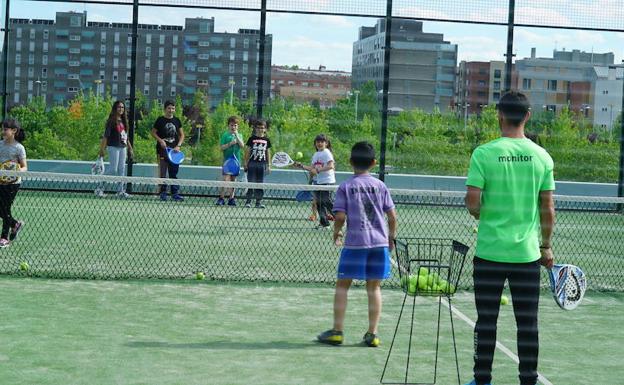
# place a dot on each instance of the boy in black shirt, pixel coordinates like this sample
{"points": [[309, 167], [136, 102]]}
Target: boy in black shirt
{"points": [[257, 154], [168, 134]]}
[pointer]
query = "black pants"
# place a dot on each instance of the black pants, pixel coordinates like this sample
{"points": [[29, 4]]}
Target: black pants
{"points": [[324, 205], [524, 280], [255, 174], [7, 196], [165, 167]]}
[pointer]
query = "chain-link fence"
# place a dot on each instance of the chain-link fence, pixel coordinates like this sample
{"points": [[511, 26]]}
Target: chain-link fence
{"points": [[69, 232]]}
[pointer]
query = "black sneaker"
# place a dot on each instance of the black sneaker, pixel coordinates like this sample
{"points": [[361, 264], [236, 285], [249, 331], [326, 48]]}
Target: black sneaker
{"points": [[371, 339], [331, 337], [260, 205], [15, 230]]}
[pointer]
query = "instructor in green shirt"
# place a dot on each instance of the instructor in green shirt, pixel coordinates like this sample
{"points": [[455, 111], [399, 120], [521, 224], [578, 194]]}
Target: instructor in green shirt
{"points": [[510, 191]]}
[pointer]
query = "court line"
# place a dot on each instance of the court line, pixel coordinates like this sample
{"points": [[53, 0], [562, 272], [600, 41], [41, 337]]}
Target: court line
{"points": [[543, 380]]}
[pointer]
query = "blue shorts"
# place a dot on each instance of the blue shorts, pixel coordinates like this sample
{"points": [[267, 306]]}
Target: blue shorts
{"points": [[364, 263]]}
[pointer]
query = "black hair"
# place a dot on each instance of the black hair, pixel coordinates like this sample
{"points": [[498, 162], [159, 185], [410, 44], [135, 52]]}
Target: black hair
{"points": [[323, 138], [260, 122], [169, 103], [20, 135], [514, 106], [362, 155]]}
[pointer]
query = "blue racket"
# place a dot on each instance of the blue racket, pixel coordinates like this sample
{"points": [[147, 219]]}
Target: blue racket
{"points": [[231, 166], [175, 157], [303, 196], [568, 284]]}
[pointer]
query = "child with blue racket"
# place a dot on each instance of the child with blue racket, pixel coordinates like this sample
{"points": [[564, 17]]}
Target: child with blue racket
{"points": [[362, 201], [12, 157], [231, 144]]}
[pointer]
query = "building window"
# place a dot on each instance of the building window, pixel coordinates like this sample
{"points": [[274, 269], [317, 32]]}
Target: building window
{"points": [[232, 55], [148, 39], [128, 76], [102, 74], [245, 56], [128, 63], [161, 65], [103, 37], [161, 39], [204, 27], [147, 65], [160, 77], [115, 89], [74, 37], [552, 85], [31, 59], [173, 91], [246, 44], [245, 68], [161, 52], [115, 76], [46, 34], [497, 74], [127, 92], [31, 46], [148, 51], [32, 34], [497, 85], [74, 63], [244, 94], [44, 73], [231, 68], [147, 77], [174, 53], [175, 39], [159, 91], [17, 85], [18, 58], [526, 84], [146, 90], [232, 42], [116, 37], [115, 63], [72, 89], [102, 62], [18, 33], [129, 50], [74, 21], [18, 46], [129, 39], [174, 66]]}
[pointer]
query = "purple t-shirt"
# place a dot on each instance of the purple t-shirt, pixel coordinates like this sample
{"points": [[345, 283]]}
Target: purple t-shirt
{"points": [[365, 200]]}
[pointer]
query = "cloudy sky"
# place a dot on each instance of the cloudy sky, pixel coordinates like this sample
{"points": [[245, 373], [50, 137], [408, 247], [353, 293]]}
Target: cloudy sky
{"points": [[313, 40]]}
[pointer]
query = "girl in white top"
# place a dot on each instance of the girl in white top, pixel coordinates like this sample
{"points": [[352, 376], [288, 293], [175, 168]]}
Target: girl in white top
{"points": [[12, 157], [322, 170]]}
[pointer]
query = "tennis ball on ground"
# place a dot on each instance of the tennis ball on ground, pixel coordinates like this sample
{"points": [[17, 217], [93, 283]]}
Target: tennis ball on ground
{"points": [[422, 282], [200, 275], [450, 289], [299, 155], [24, 266], [423, 271], [504, 300], [475, 229]]}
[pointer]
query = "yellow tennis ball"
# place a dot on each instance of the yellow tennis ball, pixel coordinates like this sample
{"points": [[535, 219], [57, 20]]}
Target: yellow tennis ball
{"points": [[24, 266], [504, 300], [200, 275], [299, 155], [423, 271]]}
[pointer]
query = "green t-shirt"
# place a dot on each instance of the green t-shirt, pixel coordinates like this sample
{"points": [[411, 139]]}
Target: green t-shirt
{"points": [[511, 172], [226, 138]]}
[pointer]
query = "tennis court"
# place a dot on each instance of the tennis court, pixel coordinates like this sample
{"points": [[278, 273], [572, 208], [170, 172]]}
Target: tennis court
{"points": [[181, 332], [267, 294]]}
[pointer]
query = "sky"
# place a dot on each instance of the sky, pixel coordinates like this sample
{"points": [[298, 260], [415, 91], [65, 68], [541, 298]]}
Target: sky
{"points": [[313, 40]]}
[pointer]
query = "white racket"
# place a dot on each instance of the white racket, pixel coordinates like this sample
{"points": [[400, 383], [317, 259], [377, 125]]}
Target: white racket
{"points": [[281, 159], [568, 284]]}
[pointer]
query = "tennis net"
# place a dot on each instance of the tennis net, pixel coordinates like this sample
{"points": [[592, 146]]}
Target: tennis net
{"points": [[70, 232]]}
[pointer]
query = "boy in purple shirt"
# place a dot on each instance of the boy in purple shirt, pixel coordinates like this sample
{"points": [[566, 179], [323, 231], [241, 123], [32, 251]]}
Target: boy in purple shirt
{"points": [[362, 201]]}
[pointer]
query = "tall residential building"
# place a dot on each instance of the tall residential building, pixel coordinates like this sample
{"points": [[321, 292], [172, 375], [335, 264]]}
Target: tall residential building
{"points": [[606, 93], [422, 65], [58, 58], [480, 84], [565, 80], [306, 85]]}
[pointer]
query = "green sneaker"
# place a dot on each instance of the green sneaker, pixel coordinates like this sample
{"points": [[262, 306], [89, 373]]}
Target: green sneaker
{"points": [[331, 337], [371, 340]]}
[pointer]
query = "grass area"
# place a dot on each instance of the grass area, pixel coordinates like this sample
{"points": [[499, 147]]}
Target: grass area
{"points": [[191, 332], [79, 235]]}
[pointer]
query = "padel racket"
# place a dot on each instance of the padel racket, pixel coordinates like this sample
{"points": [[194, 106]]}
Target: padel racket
{"points": [[231, 166], [568, 285], [9, 165], [97, 168], [281, 159], [175, 157]]}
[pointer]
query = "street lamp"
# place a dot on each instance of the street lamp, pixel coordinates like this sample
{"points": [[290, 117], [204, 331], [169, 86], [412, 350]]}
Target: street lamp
{"points": [[38, 83], [357, 98], [97, 91], [232, 82]]}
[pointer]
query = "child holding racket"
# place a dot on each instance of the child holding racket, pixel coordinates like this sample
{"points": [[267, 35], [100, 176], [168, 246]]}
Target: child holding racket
{"points": [[256, 164], [322, 171], [231, 144], [510, 191], [362, 201], [168, 134], [13, 153]]}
